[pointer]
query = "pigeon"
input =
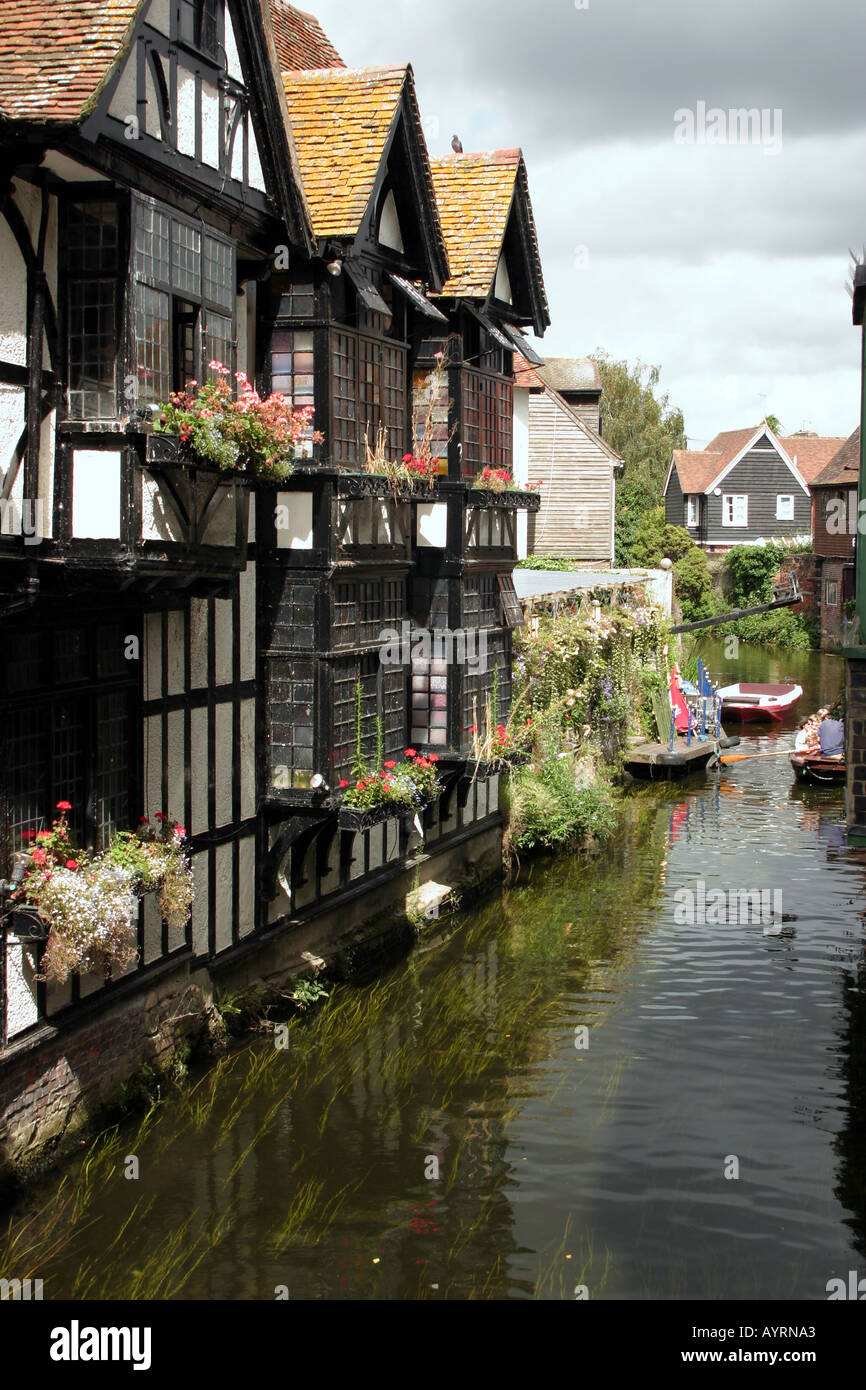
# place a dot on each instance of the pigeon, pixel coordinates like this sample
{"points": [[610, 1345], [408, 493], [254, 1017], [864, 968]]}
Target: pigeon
{"points": [[456, 145]]}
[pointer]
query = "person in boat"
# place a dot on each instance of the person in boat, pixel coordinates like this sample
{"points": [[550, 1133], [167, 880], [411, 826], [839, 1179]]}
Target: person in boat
{"points": [[807, 740], [831, 736]]}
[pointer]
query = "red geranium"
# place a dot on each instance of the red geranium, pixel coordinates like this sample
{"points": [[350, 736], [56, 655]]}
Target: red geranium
{"points": [[64, 805]]}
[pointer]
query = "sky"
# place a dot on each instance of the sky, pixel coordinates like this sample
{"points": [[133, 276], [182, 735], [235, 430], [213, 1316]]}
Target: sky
{"points": [[667, 237]]}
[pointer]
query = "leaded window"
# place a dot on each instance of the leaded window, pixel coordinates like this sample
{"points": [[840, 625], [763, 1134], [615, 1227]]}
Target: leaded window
{"points": [[488, 422], [479, 686], [291, 724], [67, 731], [92, 250], [368, 393], [184, 296], [382, 705]]}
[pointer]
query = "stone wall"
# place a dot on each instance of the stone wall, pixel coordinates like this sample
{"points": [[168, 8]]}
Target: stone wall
{"points": [[855, 745]]}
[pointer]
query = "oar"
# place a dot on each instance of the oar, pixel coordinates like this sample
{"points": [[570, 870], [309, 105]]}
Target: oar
{"points": [[741, 757]]}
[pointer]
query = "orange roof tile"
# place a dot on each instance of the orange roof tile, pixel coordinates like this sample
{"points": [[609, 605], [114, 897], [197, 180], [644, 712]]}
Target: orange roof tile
{"points": [[341, 118], [300, 40], [525, 375], [54, 57], [844, 466], [810, 453], [475, 193], [697, 468]]}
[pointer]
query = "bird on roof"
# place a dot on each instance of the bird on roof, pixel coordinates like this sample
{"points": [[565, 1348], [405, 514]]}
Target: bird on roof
{"points": [[456, 144]]}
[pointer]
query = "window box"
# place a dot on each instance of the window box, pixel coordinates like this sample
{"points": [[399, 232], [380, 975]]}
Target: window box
{"points": [[527, 501], [483, 771], [350, 819]]}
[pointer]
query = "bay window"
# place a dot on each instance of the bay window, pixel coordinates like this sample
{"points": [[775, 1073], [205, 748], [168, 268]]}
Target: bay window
{"points": [[184, 295]]}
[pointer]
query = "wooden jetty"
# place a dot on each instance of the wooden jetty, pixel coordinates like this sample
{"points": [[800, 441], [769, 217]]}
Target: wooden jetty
{"points": [[662, 762]]}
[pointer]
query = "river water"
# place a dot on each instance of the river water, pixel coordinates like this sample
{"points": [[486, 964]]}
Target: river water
{"points": [[579, 1084]]}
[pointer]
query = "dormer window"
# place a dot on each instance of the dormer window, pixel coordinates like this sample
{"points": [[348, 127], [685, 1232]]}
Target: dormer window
{"points": [[198, 25], [389, 226]]}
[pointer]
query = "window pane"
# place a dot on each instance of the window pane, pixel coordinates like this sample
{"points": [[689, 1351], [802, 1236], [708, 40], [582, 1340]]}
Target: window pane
{"points": [[218, 272], [92, 348], [92, 244], [219, 346], [185, 258], [153, 337], [151, 243]]}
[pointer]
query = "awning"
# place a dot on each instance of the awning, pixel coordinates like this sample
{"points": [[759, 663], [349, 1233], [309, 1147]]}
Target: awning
{"points": [[490, 327], [523, 346], [417, 297], [367, 293]]}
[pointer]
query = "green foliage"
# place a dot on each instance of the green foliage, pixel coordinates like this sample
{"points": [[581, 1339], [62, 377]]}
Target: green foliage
{"points": [[774, 423], [546, 807], [750, 570], [656, 540], [546, 562], [308, 992], [778, 628], [644, 429], [692, 585]]}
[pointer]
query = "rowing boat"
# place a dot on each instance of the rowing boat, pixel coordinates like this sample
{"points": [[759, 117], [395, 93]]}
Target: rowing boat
{"points": [[748, 701]]}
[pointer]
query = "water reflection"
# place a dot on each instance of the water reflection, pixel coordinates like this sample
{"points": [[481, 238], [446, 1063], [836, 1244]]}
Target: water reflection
{"points": [[545, 1097]]}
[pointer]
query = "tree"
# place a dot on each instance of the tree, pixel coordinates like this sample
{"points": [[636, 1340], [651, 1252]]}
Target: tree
{"points": [[644, 429], [655, 539], [774, 423]]}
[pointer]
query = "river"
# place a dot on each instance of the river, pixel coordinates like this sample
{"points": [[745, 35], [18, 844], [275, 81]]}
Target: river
{"points": [[578, 1086]]}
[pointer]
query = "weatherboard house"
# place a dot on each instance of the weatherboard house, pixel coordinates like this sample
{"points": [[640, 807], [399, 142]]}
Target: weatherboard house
{"points": [[747, 485], [184, 182]]}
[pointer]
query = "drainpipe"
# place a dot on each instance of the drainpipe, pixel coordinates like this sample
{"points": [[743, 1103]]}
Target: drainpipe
{"points": [[860, 550]]}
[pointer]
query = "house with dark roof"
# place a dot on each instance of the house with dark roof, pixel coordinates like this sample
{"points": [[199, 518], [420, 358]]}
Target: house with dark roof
{"points": [[558, 443], [835, 490], [746, 485]]}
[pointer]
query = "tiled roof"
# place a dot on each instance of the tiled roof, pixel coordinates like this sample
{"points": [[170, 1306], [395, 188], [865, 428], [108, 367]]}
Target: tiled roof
{"points": [[526, 375], [727, 445], [844, 466], [475, 193], [810, 454], [697, 468], [341, 118], [571, 374], [300, 40], [54, 57]]}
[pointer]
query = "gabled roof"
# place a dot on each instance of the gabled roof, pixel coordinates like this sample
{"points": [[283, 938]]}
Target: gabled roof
{"points": [[811, 452], [702, 470], [526, 375], [55, 57], [300, 40], [844, 467], [476, 193], [343, 120]]}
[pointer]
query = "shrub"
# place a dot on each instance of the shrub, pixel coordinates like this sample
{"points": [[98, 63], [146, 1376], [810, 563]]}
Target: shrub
{"points": [[692, 584], [751, 569]]}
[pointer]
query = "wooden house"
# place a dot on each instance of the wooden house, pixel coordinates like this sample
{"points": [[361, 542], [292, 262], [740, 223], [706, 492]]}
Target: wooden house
{"points": [[746, 485], [835, 490], [558, 440], [182, 182]]}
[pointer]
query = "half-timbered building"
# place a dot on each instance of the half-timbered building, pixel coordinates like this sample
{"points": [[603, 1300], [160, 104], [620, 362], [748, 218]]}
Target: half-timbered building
{"points": [[181, 183], [146, 177]]}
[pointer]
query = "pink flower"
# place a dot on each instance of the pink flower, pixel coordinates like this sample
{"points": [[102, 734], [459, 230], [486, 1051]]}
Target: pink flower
{"points": [[64, 805], [344, 784], [72, 863], [390, 764], [40, 857], [410, 753]]}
